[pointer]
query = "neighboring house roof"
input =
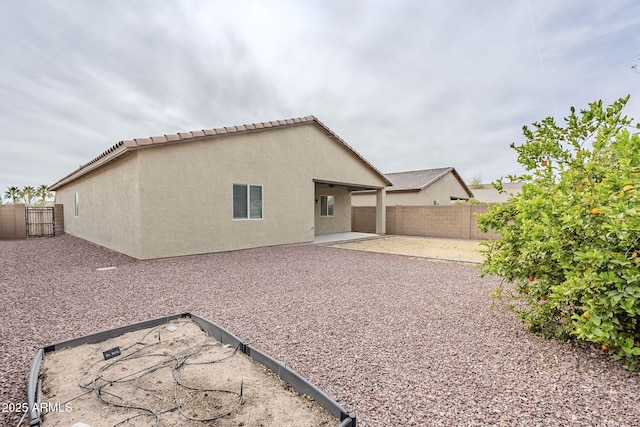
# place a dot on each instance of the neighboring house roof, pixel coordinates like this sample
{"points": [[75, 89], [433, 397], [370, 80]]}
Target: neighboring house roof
{"points": [[489, 194], [123, 147], [420, 180]]}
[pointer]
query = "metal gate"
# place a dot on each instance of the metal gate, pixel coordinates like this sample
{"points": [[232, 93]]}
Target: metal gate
{"points": [[40, 222]]}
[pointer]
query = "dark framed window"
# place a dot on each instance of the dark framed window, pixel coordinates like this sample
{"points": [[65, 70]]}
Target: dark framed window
{"points": [[327, 205], [247, 201]]}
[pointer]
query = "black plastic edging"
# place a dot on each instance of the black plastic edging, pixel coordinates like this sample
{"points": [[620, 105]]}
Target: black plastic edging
{"points": [[32, 388], [33, 398], [299, 384], [218, 332], [349, 422], [112, 333], [295, 380]]}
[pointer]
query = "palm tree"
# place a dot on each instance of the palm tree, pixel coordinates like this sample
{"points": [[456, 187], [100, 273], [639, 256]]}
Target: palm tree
{"points": [[43, 193], [13, 193], [27, 193]]}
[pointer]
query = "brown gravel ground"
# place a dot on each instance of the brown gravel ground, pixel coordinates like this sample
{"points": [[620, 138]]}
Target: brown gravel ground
{"points": [[402, 341]]}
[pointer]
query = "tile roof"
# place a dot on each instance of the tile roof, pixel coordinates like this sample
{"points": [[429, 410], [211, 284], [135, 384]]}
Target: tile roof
{"points": [[415, 180], [421, 179], [138, 143]]}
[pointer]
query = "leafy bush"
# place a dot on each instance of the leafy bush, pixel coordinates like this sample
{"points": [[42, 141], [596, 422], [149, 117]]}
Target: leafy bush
{"points": [[570, 241]]}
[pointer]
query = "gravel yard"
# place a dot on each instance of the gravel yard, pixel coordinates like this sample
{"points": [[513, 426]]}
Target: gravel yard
{"points": [[400, 340]]}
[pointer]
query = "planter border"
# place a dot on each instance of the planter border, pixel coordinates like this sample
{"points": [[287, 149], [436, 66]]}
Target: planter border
{"points": [[295, 380]]}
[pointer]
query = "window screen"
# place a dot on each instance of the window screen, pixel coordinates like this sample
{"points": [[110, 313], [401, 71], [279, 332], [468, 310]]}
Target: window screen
{"points": [[240, 201], [255, 202], [327, 205], [247, 201]]}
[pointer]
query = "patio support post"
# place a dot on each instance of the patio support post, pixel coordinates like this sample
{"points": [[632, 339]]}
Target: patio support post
{"points": [[381, 211]]}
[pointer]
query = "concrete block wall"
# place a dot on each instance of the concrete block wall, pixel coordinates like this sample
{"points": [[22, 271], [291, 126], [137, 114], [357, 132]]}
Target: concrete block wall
{"points": [[453, 222], [363, 219], [58, 219], [433, 221], [392, 220], [13, 222], [476, 234]]}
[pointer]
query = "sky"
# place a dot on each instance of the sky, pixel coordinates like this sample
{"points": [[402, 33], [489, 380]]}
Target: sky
{"points": [[409, 84]]}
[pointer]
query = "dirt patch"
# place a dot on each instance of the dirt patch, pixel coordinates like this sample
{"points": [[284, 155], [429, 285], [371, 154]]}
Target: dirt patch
{"points": [[445, 249], [170, 375]]}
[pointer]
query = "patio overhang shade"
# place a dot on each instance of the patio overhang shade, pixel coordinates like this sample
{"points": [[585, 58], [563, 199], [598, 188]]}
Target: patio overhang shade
{"points": [[351, 186]]}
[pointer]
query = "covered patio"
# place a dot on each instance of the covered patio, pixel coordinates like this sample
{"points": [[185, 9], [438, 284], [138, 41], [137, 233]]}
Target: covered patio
{"points": [[333, 207]]}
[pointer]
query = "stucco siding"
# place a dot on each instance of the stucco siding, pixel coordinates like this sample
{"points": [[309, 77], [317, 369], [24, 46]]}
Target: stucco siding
{"points": [[367, 199], [108, 206], [334, 162], [340, 222], [446, 188], [197, 180], [176, 199]]}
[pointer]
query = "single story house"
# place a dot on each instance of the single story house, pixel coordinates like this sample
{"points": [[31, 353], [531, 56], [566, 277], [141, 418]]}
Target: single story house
{"points": [[262, 184], [426, 187]]}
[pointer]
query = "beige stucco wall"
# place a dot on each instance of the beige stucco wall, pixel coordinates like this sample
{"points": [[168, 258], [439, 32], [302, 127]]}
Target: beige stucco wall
{"points": [[198, 177], [178, 198], [341, 221], [488, 194], [108, 203], [440, 191]]}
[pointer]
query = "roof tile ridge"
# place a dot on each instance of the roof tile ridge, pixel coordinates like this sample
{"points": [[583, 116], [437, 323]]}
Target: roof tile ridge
{"points": [[437, 177], [410, 171], [103, 154]]}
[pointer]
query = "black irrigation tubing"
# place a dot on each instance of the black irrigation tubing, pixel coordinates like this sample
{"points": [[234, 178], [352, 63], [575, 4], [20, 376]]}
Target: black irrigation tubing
{"points": [[179, 360], [215, 417], [300, 384], [175, 361]]}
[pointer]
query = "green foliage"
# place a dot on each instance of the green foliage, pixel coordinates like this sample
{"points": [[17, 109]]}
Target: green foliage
{"points": [[571, 239], [43, 193], [472, 201], [13, 193], [28, 193]]}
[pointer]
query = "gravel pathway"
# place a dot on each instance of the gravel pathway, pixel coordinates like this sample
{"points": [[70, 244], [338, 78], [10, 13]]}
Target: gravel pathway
{"points": [[403, 341]]}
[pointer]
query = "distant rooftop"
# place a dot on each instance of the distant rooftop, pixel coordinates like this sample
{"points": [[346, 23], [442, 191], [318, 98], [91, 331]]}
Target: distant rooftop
{"points": [[488, 194], [418, 180]]}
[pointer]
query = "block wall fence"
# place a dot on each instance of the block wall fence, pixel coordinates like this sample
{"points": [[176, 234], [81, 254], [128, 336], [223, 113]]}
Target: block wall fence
{"points": [[13, 221], [452, 222]]}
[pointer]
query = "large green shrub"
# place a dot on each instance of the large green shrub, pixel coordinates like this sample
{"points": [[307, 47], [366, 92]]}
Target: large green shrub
{"points": [[571, 239]]}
